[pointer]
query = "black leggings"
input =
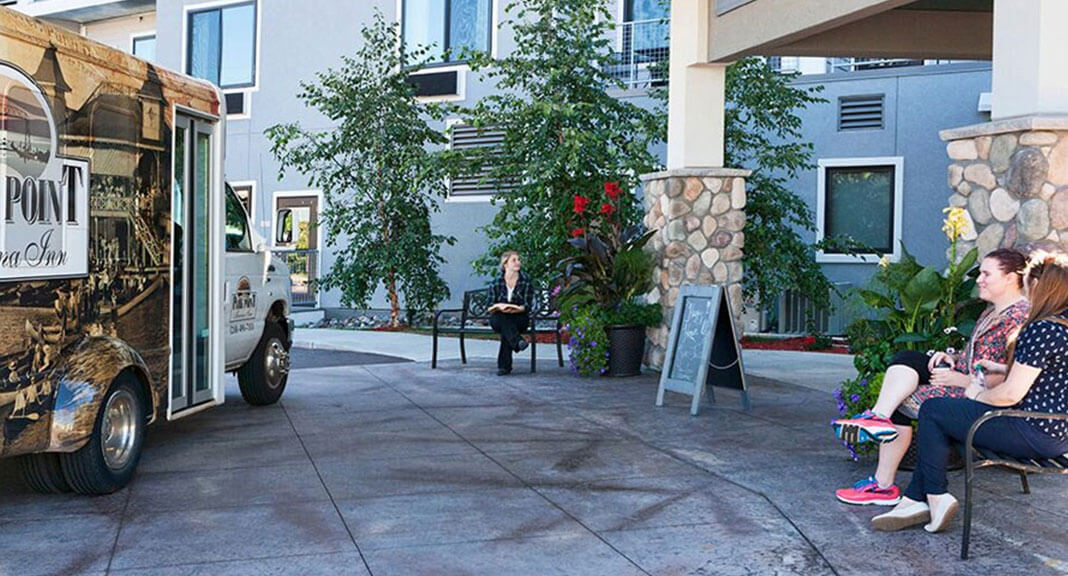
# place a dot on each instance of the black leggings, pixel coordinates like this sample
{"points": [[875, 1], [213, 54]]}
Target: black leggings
{"points": [[918, 362], [509, 326]]}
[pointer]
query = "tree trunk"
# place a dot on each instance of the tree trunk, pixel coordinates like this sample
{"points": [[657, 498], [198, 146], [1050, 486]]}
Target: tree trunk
{"points": [[394, 302]]}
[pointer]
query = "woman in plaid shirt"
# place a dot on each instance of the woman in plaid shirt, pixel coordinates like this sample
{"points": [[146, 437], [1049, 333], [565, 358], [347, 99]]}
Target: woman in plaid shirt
{"points": [[513, 295]]}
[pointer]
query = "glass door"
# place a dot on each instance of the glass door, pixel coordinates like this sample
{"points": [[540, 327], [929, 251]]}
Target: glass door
{"points": [[192, 344]]}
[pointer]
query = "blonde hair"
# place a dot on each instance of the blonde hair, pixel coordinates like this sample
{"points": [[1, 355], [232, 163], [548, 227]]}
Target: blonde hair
{"points": [[505, 256]]}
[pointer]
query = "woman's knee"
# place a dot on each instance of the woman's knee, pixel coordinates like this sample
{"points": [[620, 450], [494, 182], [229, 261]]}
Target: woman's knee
{"points": [[934, 409]]}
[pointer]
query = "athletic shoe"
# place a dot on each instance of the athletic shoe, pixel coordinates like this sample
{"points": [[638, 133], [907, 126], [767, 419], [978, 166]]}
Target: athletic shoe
{"points": [[905, 515], [865, 427], [866, 492]]}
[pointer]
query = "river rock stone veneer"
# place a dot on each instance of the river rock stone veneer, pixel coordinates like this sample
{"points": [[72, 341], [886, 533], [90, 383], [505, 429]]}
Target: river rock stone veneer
{"points": [[699, 216], [1012, 177]]}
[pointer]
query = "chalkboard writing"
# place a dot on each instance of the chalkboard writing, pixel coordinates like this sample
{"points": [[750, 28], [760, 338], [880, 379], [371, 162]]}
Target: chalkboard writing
{"points": [[702, 347]]}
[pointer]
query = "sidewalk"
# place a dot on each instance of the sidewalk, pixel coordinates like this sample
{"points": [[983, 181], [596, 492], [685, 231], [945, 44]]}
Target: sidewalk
{"points": [[815, 370], [368, 468]]}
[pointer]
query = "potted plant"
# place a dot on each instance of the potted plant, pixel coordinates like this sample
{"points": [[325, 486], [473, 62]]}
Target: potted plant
{"points": [[603, 289]]}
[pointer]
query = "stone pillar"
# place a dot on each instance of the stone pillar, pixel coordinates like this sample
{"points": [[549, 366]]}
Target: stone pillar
{"points": [[1012, 176], [699, 216]]}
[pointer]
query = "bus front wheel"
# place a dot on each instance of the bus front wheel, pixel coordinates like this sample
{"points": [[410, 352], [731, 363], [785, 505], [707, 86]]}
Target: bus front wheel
{"points": [[263, 378], [108, 461]]}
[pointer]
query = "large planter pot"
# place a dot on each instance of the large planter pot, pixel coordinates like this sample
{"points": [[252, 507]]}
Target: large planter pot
{"points": [[626, 348]]}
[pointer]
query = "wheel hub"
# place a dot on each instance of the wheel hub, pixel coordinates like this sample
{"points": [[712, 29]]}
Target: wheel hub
{"points": [[119, 429], [277, 363]]}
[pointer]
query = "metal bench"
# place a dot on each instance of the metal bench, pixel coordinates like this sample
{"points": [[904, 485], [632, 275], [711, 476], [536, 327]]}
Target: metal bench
{"points": [[976, 458], [474, 319]]}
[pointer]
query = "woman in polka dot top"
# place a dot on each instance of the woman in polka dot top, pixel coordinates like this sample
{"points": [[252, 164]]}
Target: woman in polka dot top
{"points": [[1037, 381]]}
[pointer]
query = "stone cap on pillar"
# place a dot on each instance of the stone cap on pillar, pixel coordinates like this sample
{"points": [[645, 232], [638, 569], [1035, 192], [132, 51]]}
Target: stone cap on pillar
{"points": [[1005, 126], [697, 172]]}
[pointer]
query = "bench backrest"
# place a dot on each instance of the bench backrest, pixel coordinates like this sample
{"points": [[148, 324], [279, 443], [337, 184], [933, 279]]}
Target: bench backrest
{"points": [[477, 303]]}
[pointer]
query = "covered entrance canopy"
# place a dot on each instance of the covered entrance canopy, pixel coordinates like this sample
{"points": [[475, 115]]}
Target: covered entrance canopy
{"points": [[1024, 38]]}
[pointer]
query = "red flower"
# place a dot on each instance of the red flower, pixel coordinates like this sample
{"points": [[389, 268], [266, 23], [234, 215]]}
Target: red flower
{"points": [[578, 232], [580, 204], [607, 208], [612, 190]]}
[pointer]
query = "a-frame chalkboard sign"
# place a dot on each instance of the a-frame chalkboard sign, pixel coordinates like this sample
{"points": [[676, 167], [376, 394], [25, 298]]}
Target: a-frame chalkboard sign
{"points": [[703, 348]]}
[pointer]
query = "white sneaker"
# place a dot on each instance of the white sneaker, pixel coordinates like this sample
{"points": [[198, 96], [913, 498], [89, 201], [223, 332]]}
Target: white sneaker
{"points": [[942, 513], [907, 513]]}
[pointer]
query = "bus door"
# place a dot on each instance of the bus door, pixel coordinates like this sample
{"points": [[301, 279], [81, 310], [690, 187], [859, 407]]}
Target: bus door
{"points": [[196, 343]]}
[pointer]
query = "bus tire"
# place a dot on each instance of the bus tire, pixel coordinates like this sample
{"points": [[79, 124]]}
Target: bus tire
{"points": [[43, 473], [108, 461], [263, 378]]}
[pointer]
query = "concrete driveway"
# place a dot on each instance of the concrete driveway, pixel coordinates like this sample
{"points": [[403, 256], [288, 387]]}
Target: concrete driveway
{"points": [[397, 469]]}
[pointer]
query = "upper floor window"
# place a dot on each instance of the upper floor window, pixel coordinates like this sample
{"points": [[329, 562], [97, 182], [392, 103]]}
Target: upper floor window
{"points": [[222, 45], [144, 47], [638, 10], [448, 25]]}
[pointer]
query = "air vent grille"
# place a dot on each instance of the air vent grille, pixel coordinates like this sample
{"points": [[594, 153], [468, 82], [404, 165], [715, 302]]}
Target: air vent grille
{"points": [[469, 137], [861, 112]]}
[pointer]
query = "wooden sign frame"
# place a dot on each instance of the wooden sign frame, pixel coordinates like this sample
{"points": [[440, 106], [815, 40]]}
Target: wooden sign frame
{"points": [[718, 361]]}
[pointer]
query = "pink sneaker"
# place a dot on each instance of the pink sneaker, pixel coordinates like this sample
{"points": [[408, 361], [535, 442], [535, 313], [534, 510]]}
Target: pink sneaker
{"points": [[867, 493], [865, 427]]}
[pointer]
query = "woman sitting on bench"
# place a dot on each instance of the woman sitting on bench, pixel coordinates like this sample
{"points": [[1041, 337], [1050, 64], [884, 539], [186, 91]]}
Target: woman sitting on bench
{"points": [[912, 378], [512, 295], [1037, 382]]}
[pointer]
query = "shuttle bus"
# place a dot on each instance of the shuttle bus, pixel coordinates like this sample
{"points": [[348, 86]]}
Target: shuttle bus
{"points": [[130, 280]]}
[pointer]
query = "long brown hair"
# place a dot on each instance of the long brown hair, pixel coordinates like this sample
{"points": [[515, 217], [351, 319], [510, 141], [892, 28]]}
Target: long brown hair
{"points": [[1047, 281]]}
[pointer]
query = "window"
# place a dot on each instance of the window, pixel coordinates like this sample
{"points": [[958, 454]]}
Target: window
{"points": [[238, 238], [637, 10], [860, 198], [144, 47], [222, 45], [244, 191], [448, 25]]}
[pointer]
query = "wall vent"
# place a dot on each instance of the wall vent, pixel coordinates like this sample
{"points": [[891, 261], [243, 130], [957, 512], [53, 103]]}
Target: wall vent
{"points": [[436, 84], [463, 137], [861, 112], [236, 103]]}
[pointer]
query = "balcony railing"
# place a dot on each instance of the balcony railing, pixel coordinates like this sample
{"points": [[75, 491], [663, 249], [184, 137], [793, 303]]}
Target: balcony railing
{"points": [[303, 271], [643, 53], [855, 64]]}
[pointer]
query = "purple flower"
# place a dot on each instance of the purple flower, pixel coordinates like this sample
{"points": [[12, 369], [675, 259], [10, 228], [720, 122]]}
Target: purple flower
{"points": [[593, 344], [854, 398], [864, 383]]}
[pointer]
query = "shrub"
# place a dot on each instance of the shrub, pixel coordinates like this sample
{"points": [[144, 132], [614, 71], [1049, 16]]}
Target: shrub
{"points": [[588, 344]]}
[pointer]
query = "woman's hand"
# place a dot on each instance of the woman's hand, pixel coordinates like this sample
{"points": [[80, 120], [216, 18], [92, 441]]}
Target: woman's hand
{"points": [[991, 367], [950, 378], [939, 358]]}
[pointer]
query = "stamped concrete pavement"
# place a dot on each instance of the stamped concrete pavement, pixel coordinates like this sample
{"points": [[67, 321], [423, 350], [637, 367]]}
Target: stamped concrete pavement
{"points": [[397, 469]]}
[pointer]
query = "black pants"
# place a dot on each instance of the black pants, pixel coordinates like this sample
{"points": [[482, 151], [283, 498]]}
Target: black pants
{"points": [[946, 419], [509, 326]]}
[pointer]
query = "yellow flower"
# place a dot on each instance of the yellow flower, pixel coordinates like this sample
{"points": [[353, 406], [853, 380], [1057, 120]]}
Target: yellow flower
{"points": [[956, 223], [884, 261]]}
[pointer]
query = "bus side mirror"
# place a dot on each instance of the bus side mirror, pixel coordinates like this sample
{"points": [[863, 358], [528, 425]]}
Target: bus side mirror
{"points": [[284, 227]]}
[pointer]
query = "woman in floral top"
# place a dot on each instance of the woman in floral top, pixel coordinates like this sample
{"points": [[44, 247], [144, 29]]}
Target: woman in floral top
{"points": [[913, 378], [1037, 382]]}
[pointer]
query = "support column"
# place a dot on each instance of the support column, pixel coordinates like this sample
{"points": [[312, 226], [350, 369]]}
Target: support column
{"points": [[1012, 177], [695, 92], [1028, 60], [699, 216]]}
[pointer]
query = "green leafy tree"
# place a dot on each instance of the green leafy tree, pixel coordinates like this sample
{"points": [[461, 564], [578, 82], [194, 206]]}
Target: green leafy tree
{"points": [[762, 133], [564, 134], [379, 171]]}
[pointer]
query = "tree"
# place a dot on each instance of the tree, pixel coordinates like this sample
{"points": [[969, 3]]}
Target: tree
{"points": [[379, 171], [565, 136]]}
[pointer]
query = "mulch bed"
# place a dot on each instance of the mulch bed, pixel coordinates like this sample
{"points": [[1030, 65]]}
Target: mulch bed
{"points": [[800, 344]]}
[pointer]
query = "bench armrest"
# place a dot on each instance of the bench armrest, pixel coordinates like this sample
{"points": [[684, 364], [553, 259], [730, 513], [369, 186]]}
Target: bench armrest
{"points": [[437, 315], [1008, 413]]}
